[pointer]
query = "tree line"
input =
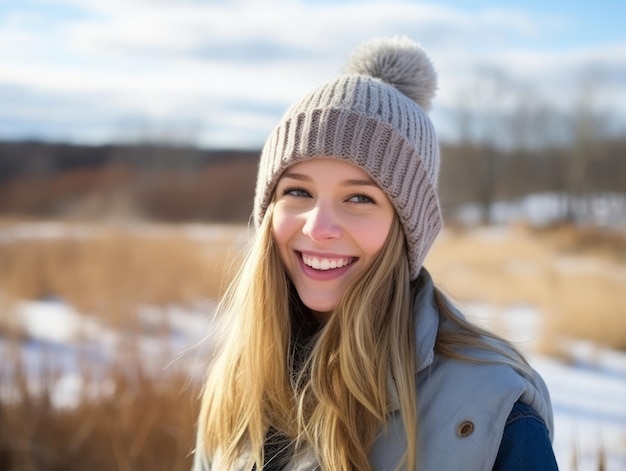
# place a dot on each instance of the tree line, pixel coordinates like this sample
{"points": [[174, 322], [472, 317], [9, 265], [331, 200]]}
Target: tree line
{"points": [[178, 183]]}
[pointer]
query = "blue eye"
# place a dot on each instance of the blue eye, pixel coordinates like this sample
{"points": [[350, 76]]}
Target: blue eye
{"points": [[361, 199], [296, 192]]}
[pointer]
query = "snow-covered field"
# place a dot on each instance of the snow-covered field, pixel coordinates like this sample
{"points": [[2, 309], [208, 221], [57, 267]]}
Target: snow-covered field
{"points": [[61, 339], [606, 210]]}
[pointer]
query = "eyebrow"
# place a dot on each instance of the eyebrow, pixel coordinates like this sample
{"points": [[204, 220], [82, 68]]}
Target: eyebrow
{"points": [[348, 182]]}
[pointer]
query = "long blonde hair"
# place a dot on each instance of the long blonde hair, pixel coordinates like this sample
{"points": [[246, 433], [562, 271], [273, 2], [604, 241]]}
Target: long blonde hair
{"points": [[336, 399]]}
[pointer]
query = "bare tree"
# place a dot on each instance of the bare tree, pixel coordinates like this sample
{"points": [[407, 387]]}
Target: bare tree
{"points": [[588, 126], [481, 110]]}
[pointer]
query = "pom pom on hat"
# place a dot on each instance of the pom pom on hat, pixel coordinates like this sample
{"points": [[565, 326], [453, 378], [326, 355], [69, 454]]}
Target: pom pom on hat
{"points": [[400, 62]]}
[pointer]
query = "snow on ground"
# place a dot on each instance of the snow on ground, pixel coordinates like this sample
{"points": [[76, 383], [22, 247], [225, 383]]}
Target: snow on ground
{"points": [[588, 394], [62, 230], [589, 412], [606, 210], [61, 343]]}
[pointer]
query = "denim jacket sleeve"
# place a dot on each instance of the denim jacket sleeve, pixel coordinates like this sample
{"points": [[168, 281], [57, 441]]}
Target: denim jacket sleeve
{"points": [[525, 443]]}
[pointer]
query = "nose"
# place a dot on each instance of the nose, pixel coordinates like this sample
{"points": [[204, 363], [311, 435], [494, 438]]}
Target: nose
{"points": [[321, 224]]}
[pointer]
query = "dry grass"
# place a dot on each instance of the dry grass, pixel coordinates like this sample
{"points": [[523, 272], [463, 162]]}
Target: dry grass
{"points": [[139, 422], [107, 271], [126, 417], [576, 277]]}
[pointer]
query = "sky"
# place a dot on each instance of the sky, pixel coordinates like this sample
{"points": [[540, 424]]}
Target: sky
{"points": [[221, 73]]}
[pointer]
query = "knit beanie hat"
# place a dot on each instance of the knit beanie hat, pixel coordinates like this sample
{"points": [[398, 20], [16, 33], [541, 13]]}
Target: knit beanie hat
{"points": [[375, 117]]}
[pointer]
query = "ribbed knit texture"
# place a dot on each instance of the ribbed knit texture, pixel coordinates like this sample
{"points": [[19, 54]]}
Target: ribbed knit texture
{"points": [[364, 121]]}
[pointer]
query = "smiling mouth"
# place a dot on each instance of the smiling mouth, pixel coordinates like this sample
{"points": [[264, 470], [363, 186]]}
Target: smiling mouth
{"points": [[326, 263]]}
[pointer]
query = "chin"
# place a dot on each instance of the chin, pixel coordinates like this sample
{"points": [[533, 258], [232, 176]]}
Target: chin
{"points": [[320, 308]]}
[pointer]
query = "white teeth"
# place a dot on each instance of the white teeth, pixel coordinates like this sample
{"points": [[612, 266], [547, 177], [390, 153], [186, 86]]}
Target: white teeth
{"points": [[325, 263]]}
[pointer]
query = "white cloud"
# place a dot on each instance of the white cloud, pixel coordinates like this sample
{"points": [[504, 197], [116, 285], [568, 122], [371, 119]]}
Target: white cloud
{"points": [[226, 65]]}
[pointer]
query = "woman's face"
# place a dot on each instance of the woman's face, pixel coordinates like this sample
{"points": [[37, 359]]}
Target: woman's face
{"points": [[329, 221]]}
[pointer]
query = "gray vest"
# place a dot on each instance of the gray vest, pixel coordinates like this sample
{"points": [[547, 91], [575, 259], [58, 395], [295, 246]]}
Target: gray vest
{"points": [[462, 406]]}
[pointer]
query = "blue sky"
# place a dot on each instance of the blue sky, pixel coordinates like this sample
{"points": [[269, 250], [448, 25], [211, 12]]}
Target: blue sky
{"points": [[220, 73], [583, 23]]}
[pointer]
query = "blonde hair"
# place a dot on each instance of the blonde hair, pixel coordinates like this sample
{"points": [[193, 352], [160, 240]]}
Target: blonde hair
{"points": [[336, 399]]}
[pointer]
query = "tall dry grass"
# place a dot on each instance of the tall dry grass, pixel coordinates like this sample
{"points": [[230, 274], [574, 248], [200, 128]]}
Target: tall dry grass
{"points": [[107, 270], [575, 276], [137, 422], [129, 415]]}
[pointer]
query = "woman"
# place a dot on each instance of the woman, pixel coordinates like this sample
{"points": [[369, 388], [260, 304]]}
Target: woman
{"points": [[339, 352]]}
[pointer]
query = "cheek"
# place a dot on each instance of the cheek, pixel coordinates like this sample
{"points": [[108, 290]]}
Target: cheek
{"points": [[373, 243], [373, 237], [283, 228]]}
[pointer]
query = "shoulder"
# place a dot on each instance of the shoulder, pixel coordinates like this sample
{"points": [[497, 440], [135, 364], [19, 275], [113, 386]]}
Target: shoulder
{"points": [[470, 405], [482, 387], [463, 411], [472, 386]]}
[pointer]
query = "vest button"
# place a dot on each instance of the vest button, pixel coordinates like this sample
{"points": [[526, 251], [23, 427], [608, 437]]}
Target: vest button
{"points": [[465, 429]]}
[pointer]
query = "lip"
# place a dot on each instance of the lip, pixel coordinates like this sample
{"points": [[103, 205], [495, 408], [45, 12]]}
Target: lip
{"points": [[323, 275]]}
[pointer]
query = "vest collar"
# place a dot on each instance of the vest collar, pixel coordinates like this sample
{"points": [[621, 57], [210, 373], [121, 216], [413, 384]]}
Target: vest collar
{"points": [[426, 321], [426, 325]]}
